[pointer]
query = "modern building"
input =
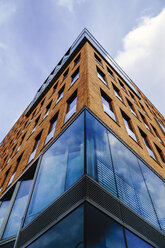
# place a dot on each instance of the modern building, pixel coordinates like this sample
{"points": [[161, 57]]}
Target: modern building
{"points": [[84, 165]]}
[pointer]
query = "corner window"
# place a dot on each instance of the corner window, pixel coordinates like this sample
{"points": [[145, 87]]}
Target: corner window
{"points": [[107, 106], [98, 59], [146, 142], [60, 95], [101, 76], [52, 126], [71, 107], [36, 144], [129, 126], [77, 59], [75, 76], [110, 72]]}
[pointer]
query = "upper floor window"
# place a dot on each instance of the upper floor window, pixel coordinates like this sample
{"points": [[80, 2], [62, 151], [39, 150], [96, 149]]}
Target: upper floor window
{"points": [[6, 174], [110, 72], [133, 98], [129, 127], [75, 76], [77, 59], [98, 59], [122, 85], [36, 122], [65, 74], [146, 142], [71, 106], [13, 175], [143, 108], [36, 144], [145, 122], [117, 92], [156, 132], [132, 108], [41, 105], [160, 153], [60, 94], [101, 76], [21, 142], [47, 110], [51, 130], [107, 106], [54, 89]]}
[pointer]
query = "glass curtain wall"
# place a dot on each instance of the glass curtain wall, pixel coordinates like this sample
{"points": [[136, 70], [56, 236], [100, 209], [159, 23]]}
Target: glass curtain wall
{"points": [[89, 228], [61, 166], [118, 170]]}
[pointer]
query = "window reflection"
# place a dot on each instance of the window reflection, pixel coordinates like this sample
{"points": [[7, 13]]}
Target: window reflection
{"points": [[61, 166], [3, 211], [135, 242], [18, 209], [67, 233]]}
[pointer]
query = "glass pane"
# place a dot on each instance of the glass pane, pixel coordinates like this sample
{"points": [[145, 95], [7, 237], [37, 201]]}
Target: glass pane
{"points": [[130, 183], [3, 211], [102, 231], [67, 233], [156, 189], [135, 242], [17, 210], [61, 166], [99, 164]]}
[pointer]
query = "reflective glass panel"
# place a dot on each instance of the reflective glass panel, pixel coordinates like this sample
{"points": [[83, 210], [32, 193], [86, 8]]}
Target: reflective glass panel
{"points": [[102, 231], [18, 209], [130, 182], [67, 233], [135, 242], [99, 163], [61, 166], [156, 189], [3, 211]]}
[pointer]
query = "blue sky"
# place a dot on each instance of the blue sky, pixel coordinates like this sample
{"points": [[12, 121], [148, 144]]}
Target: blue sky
{"points": [[34, 35]]}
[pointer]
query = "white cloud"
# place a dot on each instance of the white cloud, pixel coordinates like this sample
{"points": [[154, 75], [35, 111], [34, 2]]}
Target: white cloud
{"points": [[69, 4], [143, 56]]}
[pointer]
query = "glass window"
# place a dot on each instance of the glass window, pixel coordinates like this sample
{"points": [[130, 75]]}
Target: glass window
{"points": [[130, 183], [117, 93], [13, 175], [3, 210], [68, 233], [52, 127], [61, 166], [75, 77], [132, 108], [65, 74], [99, 163], [107, 106], [36, 144], [71, 107], [110, 72], [135, 242], [101, 76], [156, 189], [133, 98], [102, 231], [60, 95], [128, 126], [146, 142], [77, 59], [47, 110], [18, 209], [122, 85], [97, 59]]}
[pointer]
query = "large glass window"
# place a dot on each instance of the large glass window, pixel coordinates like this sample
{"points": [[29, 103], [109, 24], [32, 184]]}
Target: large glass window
{"points": [[102, 231], [68, 233], [135, 242], [61, 166], [18, 209], [99, 163], [3, 210]]}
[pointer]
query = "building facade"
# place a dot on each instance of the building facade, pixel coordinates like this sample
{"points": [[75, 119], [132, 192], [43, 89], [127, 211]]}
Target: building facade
{"points": [[84, 165]]}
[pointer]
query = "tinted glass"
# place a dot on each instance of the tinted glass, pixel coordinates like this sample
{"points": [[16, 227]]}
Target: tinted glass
{"points": [[130, 182], [3, 210], [17, 210], [67, 233], [99, 163], [135, 242], [61, 166], [102, 231], [156, 189]]}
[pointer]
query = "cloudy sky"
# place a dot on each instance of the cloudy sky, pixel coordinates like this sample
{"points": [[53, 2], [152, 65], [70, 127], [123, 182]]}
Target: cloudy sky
{"points": [[34, 35]]}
